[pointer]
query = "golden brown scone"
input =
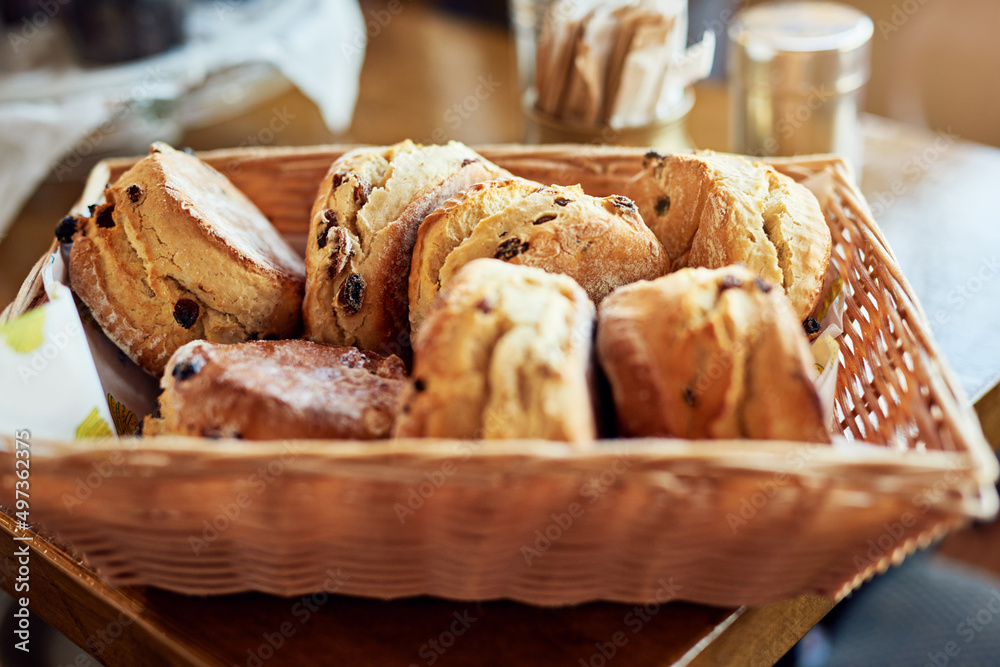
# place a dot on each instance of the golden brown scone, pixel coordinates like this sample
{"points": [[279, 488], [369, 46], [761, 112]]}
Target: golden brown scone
{"points": [[444, 230], [600, 243], [708, 353], [504, 353], [176, 253], [364, 225], [276, 390], [715, 209]]}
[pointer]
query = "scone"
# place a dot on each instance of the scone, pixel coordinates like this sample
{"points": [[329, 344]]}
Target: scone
{"points": [[714, 209], [177, 253], [504, 353], [364, 224], [708, 353], [600, 243], [277, 390]]}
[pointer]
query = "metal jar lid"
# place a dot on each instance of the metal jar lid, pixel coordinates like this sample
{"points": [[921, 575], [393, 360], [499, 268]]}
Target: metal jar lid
{"points": [[795, 47]]}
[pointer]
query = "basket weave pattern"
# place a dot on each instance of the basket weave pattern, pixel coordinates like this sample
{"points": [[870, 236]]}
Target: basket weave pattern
{"points": [[721, 522]]}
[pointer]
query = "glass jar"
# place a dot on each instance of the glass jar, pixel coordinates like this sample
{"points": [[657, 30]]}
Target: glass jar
{"points": [[797, 72], [631, 91]]}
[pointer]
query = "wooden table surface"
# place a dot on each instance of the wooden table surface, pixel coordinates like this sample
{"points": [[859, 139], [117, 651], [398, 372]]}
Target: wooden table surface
{"points": [[413, 85]]}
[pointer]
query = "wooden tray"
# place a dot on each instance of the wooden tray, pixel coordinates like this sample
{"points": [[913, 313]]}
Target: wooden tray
{"points": [[720, 522]]}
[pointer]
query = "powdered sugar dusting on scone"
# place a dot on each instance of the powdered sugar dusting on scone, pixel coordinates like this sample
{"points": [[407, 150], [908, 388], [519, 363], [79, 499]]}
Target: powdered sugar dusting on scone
{"points": [[280, 389], [224, 211]]}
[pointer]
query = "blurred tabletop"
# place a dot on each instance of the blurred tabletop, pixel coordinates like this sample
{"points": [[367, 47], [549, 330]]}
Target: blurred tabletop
{"points": [[432, 77]]}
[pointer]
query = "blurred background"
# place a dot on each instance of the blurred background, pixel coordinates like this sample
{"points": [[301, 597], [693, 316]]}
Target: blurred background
{"points": [[85, 79]]}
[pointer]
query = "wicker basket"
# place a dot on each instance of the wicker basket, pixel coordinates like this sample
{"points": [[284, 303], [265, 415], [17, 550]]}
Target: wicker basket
{"points": [[720, 522]]}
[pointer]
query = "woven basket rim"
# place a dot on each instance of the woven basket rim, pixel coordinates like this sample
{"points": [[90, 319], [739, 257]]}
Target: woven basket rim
{"points": [[949, 455]]}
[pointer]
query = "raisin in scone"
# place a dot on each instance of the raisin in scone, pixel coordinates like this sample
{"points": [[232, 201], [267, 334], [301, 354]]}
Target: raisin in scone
{"points": [[177, 253], [600, 243], [364, 225], [276, 390], [714, 209], [708, 353], [504, 353]]}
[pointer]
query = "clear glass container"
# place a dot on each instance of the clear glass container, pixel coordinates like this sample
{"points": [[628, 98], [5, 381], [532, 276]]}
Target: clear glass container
{"points": [[666, 131]]}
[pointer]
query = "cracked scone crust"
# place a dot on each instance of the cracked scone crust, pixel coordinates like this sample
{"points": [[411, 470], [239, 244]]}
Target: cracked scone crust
{"points": [[276, 390], [177, 253], [708, 353], [602, 243], [504, 353], [363, 226], [712, 210]]}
